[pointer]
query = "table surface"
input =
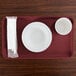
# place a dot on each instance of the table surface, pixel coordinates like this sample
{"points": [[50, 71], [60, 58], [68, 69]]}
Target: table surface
{"points": [[50, 67]]}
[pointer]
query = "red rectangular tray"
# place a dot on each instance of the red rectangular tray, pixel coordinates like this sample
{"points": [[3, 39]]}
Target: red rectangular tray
{"points": [[62, 46]]}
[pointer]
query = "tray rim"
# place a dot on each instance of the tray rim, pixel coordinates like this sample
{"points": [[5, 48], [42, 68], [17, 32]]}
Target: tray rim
{"points": [[72, 40]]}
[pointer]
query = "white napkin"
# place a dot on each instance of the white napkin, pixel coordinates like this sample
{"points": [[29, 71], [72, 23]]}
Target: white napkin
{"points": [[12, 36]]}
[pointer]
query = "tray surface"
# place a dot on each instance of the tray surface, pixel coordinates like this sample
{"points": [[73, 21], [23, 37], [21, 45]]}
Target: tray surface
{"points": [[62, 46]]}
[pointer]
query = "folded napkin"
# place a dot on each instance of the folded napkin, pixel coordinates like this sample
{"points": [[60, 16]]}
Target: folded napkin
{"points": [[11, 36]]}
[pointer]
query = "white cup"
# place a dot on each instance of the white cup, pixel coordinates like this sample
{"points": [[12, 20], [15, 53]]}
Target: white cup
{"points": [[63, 26]]}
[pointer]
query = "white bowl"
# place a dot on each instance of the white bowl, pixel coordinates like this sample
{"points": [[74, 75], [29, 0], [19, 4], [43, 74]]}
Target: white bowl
{"points": [[36, 37], [63, 26]]}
